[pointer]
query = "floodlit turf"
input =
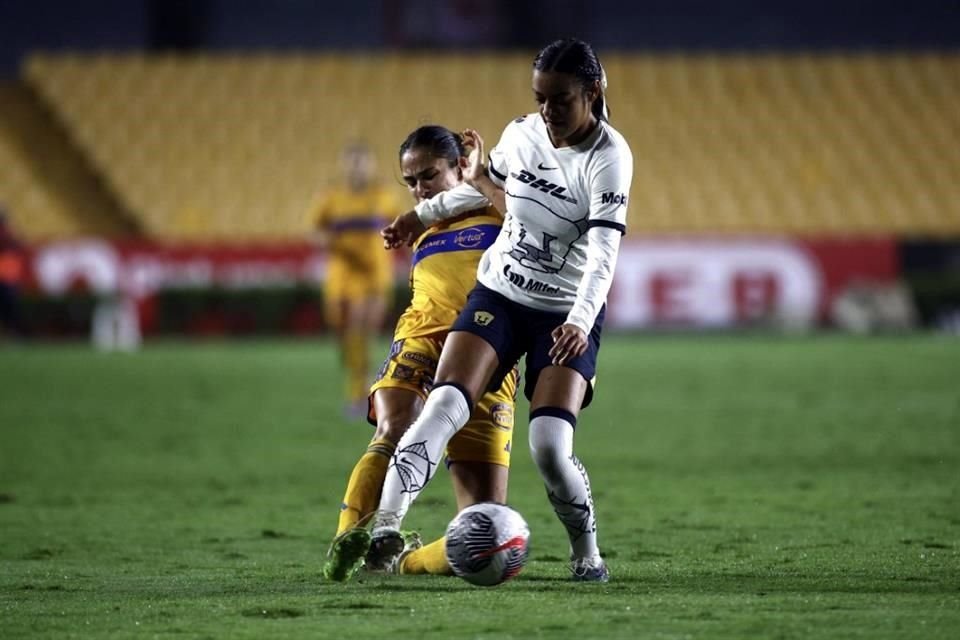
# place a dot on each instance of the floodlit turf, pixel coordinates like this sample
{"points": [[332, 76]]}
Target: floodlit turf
{"points": [[747, 488]]}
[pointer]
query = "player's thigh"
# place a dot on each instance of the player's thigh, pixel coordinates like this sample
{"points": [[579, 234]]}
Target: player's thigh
{"points": [[334, 304], [354, 313], [467, 360], [395, 408], [374, 310], [482, 347], [379, 297], [357, 292], [560, 388], [488, 435], [568, 387], [475, 482], [335, 311], [402, 384]]}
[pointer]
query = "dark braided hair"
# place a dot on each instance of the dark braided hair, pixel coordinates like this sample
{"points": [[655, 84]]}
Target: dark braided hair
{"points": [[439, 141], [576, 57]]}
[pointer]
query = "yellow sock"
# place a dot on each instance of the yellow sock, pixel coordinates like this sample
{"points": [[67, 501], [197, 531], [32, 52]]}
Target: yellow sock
{"points": [[355, 360], [431, 559], [366, 482]]}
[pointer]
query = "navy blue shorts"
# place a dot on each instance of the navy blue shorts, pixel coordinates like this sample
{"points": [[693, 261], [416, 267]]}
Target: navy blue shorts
{"points": [[513, 330]]}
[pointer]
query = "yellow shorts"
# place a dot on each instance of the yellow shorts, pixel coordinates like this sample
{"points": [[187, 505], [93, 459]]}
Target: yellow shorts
{"points": [[356, 289], [338, 291], [411, 365]]}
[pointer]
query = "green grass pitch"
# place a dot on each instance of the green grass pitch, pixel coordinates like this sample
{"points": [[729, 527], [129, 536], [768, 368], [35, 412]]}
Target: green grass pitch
{"points": [[747, 487]]}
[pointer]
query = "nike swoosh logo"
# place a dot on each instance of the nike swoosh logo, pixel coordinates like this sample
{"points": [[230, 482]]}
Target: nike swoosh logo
{"points": [[543, 168]]}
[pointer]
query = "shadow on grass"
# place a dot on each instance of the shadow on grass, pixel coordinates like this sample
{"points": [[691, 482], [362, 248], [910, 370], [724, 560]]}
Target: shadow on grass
{"points": [[718, 584], [763, 585], [741, 583], [710, 584]]}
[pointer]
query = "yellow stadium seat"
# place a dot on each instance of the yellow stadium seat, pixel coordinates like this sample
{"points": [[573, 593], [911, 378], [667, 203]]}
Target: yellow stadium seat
{"points": [[230, 147]]}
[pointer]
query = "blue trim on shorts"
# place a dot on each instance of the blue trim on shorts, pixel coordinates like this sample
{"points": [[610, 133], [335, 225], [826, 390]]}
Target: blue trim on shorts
{"points": [[476, 238], [554, 412]]}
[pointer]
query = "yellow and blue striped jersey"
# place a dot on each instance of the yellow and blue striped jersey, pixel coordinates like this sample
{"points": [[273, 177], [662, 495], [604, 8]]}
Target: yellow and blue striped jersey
{"points": [[352, 220], [444, 270]]}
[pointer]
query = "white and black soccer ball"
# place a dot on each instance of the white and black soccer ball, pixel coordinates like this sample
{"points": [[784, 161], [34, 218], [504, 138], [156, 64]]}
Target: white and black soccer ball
{"points": [[487, 543]]}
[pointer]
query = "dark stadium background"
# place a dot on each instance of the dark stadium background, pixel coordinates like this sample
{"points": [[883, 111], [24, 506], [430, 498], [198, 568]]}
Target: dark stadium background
{"points": [[887, 275], [773, 447], [371, 24]]}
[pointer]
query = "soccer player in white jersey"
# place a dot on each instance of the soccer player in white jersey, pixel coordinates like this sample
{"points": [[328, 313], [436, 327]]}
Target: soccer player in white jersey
{"points": [[563, 174]]}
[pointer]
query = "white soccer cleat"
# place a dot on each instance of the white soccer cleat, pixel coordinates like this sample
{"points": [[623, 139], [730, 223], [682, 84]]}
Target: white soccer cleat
{"points": [[589, 570], [386, 545]]}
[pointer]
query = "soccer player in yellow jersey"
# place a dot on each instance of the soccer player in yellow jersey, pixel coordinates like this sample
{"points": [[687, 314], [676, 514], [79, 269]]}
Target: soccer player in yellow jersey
{"points": [[444, 269], [347, 221]]}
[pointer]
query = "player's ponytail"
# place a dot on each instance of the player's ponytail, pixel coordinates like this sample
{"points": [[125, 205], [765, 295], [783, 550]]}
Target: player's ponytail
{"points": [[600, 107], [439, 141], [461, 144], [577, 58]]}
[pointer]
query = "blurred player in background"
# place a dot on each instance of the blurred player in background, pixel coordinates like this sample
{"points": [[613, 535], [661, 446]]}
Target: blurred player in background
{"points": [[443, 272], [564, 173], [346, 221]]}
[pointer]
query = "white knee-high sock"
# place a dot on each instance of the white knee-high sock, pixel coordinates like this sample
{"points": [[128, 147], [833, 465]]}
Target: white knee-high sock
{"points": [[420, 451], [566, 480]]}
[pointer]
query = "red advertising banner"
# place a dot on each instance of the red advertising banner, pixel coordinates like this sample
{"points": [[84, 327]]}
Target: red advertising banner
{"points": [[141, 269], [695, 282], [726, 282]]}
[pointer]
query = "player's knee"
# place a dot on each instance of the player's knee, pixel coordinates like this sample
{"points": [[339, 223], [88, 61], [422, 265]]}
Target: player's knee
{"points": [[551, 440], [393, 421], [449, 404], [391, 429]]}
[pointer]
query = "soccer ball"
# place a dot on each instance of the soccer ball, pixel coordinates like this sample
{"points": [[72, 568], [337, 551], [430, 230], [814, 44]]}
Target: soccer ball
{"points": [[487, 544]]}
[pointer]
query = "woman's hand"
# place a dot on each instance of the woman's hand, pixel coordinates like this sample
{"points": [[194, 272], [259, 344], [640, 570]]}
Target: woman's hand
{"points": [[569, 341], [475, 169], [475, 173], [403, 231]]}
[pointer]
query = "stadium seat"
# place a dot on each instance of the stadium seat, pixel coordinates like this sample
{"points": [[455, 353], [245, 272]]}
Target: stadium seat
{"points": [[45, 184], [233, 147]]}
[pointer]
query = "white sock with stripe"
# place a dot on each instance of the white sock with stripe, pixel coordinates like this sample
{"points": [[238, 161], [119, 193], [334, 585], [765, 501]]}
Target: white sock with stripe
{"points": [[420, 451], [565, 478]]}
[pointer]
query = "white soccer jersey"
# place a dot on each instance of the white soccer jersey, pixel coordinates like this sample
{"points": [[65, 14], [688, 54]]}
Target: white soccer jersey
{"points": [[554, 196]]}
